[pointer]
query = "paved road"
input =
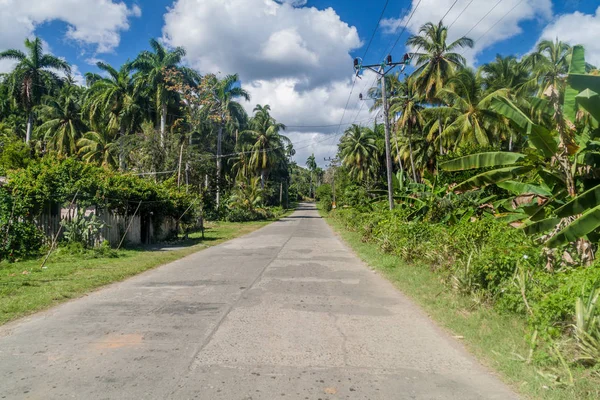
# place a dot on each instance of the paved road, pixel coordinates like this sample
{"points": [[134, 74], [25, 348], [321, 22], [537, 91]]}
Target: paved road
{"points": [[285, 312]]}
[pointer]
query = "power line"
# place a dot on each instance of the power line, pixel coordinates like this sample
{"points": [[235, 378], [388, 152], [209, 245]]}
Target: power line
{"points": [[500, 20], [356, 77], [460, 14], [405, 26], [484, 17], [376, 27], [450, 9]]}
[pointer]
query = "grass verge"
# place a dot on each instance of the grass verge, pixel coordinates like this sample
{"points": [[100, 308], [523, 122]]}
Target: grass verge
{"points": [[25, 288], [499, 341]]}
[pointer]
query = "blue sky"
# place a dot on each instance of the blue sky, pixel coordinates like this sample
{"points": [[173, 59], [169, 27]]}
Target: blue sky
{"points": [[361, 14], [295, 56]]}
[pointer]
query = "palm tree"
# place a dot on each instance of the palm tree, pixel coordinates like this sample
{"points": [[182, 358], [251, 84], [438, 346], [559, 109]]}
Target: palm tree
{"points": [[358, 150], [473, 121], [550, 64], [311, 163], [226, 110], [506, 73], [437, 62], [268, 145], [152, 67], [114, 100], [98, 147], [63, 124], [408, 107], [33, 76], [512, 76]]}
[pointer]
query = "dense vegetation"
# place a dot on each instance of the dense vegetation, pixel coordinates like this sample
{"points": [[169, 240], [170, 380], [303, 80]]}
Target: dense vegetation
{"points": [[151, 132], [496, 185]]}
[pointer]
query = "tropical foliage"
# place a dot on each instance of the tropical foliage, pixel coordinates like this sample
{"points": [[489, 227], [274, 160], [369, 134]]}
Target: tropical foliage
{"points": [[496, 182]]}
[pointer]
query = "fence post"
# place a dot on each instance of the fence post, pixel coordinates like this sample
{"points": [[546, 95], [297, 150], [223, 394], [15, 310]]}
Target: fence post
{"points": [[129, 225]]}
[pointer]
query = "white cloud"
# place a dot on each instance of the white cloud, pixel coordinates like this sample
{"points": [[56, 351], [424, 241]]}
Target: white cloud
{"points": [[500, 24], [294, 3], [577, 28], [76, 74], [93, 60], [295, 59], [90, 22]]}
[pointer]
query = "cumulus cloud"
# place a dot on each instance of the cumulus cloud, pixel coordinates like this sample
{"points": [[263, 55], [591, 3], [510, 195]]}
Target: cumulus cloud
{"points": [[577, 28], [295, 59], [294, 3], [91, 22], [500, 22]]}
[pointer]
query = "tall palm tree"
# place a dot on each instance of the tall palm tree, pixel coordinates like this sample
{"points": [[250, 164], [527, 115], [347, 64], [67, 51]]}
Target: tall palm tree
{"points": [[152, 66], [358, 150], [550, 64], [408, 107], [63, 123], [436, 62], [34, 76], [268, 145], [115, 100], [226, 110], [474, 123], [98, 147]]}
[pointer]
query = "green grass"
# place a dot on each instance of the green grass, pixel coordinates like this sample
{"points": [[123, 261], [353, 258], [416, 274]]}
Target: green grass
{"points": [[498, 341], [26, 288]]}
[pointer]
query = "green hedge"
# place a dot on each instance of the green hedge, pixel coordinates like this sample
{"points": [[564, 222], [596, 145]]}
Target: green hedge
{"points": [[483, 258]]}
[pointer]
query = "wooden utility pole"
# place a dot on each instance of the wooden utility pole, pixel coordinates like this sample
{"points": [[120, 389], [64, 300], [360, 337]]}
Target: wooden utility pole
{"points": [[382, 70]]}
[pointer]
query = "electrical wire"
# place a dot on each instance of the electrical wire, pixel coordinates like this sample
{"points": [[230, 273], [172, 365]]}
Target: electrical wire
{"points": [[484, 17], [460, 14], [376, 27], [497, 22]]}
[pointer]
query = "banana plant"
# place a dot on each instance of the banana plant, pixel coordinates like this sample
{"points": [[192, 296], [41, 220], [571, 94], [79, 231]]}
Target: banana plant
{"points": [[534, 173]]}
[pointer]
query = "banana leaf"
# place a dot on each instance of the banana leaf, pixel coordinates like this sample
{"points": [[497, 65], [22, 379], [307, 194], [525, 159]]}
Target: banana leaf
{"points": [[590, 101], [511, 217], [539, 137], [587, 223], [582, 82], [482, 160], [577, 67], [493, 177], [580, 204], [542, 226], [542, 139], [519, 188]]}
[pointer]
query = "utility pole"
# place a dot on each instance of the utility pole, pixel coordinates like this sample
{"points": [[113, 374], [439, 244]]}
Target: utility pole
{"points": [[333, 164], [382, 70]]}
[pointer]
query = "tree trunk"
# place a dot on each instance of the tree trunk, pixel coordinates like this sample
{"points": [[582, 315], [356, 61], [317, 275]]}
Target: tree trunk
{"points": [[29, 127], [440, 135], [398, 153], [281, 194], [412, 161], [122, 165], [510, 142], [219, 139], [263, 177], [163, 124]]}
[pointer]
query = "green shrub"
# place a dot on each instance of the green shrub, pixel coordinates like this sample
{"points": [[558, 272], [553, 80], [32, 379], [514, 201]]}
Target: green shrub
{"points": [[324, 196]]}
